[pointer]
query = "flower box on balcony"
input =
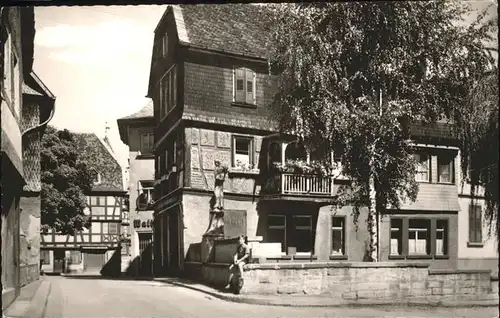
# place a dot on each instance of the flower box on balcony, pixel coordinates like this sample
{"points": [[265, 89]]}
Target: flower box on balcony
{"points": [[238, 170]]}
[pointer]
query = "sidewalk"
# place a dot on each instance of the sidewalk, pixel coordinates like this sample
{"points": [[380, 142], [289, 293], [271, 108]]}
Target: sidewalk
{"points": [[31, 302], [312, 300]]}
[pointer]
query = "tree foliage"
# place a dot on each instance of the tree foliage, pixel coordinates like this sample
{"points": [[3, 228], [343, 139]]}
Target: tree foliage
{"points": [[65, 183], [477, 124], [356, 75]]}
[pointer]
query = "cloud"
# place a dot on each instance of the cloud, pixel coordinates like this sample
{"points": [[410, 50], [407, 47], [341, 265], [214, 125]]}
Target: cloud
{"points": [[96, 44]]}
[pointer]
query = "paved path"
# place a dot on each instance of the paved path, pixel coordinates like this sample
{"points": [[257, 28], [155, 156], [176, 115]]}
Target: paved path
{"points": [[96, 297]]}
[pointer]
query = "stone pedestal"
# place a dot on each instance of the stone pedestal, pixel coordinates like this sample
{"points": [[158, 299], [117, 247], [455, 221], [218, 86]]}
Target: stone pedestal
{"points": [[207, 246]]}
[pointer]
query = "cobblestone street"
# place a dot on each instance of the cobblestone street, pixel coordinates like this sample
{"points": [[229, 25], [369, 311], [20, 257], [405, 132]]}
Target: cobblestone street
{"points": [[97, 297]]}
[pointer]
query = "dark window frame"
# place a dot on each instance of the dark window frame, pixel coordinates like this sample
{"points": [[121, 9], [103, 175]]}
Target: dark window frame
{"points": [[251, 150], [475, 224], [343, 233], [450, 166], [432, 238]]}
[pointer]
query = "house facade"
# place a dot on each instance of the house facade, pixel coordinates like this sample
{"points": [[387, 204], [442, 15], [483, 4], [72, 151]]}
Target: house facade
{"points": [[97, 249], [211, 86], [137, 132], [27, 106]]}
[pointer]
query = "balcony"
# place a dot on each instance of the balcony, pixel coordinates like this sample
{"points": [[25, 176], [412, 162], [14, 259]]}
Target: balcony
{"points": [[294, 184]]}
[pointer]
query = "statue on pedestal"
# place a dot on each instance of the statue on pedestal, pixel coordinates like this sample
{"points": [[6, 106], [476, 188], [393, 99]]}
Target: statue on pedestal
{"points": [[216, 224]]}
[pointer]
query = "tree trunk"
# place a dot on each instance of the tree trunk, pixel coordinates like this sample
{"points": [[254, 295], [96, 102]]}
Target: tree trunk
{"points": [[372, 220]]}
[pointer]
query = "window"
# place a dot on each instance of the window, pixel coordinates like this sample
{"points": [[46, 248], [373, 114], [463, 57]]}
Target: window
{"points": [[45, 257], [303, 233], [396, 247], [446, 168], [276, 230], [112, 228], [164, 45], [242, 151], [174, 153], [16, 85], [338, 236], [96, 177], [418, 237], [168, 89], [244, 86], [146, 189], [422, 167], [158, 166], [441, 237], [7, 76], [475, 224], [166, 160], [75, 257], [147, 142]]}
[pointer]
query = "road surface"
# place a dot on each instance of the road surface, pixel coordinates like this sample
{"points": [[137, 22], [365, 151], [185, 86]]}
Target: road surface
{"points": [[97, 297]]}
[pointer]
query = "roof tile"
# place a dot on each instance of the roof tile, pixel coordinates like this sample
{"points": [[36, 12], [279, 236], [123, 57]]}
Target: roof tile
{"points": [[233, 28], [145, 112]]}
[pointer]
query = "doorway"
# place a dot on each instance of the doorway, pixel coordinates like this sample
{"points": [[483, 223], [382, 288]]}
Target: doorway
{"points": [[59, 261], [145, 254]]}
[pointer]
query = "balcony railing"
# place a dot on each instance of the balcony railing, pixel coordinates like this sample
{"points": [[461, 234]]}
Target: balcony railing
{"points": [[299, 184]]}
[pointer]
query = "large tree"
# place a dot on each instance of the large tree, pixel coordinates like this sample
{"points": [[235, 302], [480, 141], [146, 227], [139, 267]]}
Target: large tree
{"points": [[354, 77], [66, 181]]}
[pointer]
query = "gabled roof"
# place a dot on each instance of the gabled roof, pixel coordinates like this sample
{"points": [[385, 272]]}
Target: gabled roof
{"points": [[145, 112], [94, 151], [239, 29], [230, 28]]}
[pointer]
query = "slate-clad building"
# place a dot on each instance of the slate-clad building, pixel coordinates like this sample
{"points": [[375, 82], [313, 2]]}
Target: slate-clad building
{"points": [[27, 106], [211, 89]]}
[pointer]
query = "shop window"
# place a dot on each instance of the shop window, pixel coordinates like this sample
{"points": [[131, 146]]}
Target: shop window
{"points": [[396, 248], [75, 257], [276, 230], [303, 233], [45, 257], [418, 237], [338, 235], [442, 237]]}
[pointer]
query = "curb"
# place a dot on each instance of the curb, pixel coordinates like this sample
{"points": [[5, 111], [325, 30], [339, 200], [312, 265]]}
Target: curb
{"points": [[328, 303], [39, 302]]}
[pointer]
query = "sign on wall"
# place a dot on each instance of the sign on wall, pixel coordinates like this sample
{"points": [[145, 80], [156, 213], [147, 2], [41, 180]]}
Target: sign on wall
{"points": [[143, 224], [235, 223]]}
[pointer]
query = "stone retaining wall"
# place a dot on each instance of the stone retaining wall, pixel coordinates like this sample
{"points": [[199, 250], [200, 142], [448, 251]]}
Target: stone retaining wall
{"points": [[398, 282]]}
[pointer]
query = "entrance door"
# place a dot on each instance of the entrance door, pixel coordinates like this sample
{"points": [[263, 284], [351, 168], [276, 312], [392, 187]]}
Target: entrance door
{"points": [[173, 240], [58, 261], [93, 262], [146, 253]]}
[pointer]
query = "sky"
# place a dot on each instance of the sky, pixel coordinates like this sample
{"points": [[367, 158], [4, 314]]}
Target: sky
{"points": [[96, 61]]}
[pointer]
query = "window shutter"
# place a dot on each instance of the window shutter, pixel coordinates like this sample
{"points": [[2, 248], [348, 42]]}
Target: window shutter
{"points": [[479, 225], [249, 86], [239, 94]]}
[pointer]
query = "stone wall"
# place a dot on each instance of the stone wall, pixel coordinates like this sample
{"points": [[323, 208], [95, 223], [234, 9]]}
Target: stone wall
{"points": [[29, 226], [352, 282]]}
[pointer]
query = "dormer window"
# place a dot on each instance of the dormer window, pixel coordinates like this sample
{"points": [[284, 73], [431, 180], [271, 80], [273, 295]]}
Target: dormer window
{"points": [[96, 177], [147, 142], [423, 167], [244, 86]]}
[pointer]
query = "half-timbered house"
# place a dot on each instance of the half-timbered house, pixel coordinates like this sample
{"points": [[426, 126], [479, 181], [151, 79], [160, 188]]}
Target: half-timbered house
{"points": [[98, 247]]}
